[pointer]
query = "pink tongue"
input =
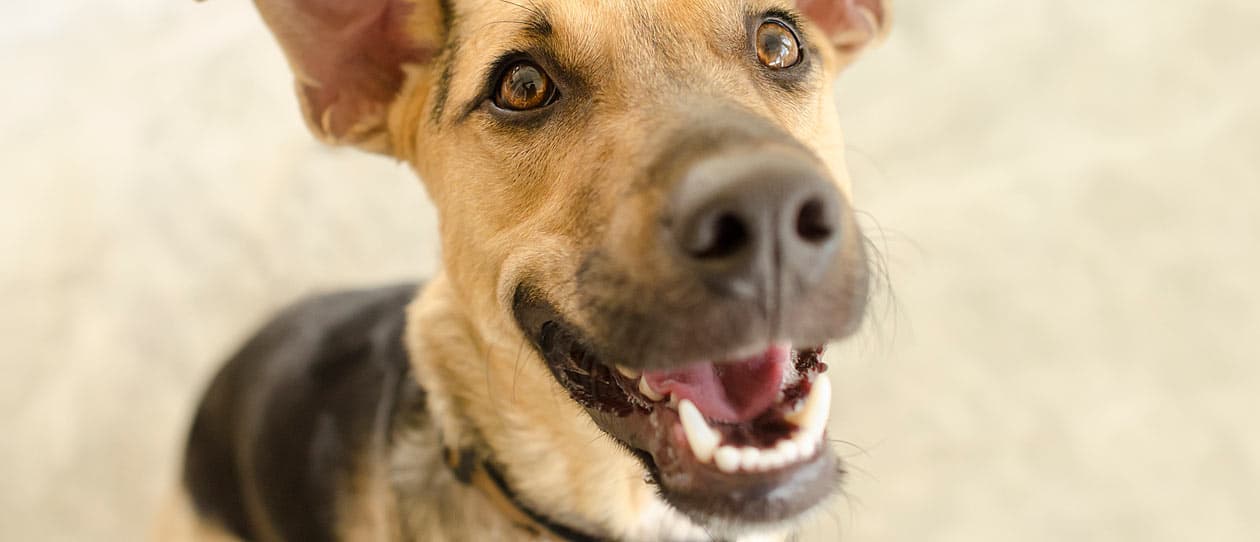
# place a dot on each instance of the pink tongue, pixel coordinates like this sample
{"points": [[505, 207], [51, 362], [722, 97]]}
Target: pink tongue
{"points": [[729, 391]]}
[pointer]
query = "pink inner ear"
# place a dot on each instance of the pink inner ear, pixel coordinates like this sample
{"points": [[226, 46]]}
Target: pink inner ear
{"points": [[348, 55], [848, 23]]}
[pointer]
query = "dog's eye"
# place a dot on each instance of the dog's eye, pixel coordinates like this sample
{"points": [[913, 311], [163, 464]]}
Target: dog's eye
{"points": [[524, 86], [777, 47]]}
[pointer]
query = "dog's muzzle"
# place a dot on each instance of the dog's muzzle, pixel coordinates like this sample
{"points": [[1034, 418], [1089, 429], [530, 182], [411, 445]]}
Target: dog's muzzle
{"points": [[703, 317]]}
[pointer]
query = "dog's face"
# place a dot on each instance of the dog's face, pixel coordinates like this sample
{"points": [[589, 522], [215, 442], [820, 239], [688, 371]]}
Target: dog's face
{"points": [[651, 193]]}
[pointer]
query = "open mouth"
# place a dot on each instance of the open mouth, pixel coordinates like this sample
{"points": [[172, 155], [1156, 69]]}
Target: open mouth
{"points": [[760, 413], [737, 439]]}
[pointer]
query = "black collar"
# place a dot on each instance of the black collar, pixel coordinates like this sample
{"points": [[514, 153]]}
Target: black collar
{"points": [[481, 474]]}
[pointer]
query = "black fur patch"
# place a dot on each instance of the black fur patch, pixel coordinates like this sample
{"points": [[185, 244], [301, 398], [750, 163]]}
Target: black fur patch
{"points": [[288, 419]]}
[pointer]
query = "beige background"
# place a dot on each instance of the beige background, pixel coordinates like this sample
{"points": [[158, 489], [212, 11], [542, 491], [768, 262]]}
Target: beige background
{"points": [[1065, 192]]}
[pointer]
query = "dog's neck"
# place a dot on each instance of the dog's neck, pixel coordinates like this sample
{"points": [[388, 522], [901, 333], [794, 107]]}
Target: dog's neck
{"points": [[479, 398], [481, 474], [420, 486]]}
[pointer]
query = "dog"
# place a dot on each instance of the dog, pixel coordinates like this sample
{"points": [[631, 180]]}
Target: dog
{"points": [[648, 238]]}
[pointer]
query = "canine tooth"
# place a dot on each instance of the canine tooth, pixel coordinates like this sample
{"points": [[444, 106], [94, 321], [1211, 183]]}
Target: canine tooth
{"points": [[628, 372], [702, 438], [805, 443], [727, 458], [819, 424], [750, 459], [647, 391], [811, 418]]}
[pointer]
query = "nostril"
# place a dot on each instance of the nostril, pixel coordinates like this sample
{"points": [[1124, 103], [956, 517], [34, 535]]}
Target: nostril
{"points": [[813, 223], [721, 237]]}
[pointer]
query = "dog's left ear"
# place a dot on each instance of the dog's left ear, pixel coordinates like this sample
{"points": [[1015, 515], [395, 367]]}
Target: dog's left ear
{"points": [[850, 25], [348, 56]]}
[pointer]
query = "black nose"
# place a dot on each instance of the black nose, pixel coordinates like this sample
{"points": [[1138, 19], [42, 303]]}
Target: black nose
{"points": [[754, 222]]}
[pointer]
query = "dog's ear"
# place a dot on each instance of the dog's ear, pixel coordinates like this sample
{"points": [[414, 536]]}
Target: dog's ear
{"points": [[347, 57], [851, 25]]}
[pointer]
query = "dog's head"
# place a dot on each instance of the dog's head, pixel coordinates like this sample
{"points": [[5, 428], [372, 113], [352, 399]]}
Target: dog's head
{"points": [[651, 193]]}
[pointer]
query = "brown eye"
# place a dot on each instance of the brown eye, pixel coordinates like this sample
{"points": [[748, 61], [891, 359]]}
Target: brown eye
{"points": [[524, 86], [776, 46]]}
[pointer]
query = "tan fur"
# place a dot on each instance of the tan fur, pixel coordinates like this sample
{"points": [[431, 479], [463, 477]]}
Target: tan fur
{"points": [[511, 407], [371, 515], [485, 383], [532, 215], [492, 236]]}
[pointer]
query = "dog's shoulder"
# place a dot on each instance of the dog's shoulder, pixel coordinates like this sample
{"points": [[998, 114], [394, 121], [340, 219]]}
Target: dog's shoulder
{"points": [[289, 420]]}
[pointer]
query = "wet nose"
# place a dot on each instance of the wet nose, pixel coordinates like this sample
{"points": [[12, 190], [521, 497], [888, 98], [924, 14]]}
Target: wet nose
{"points": [[748, 222]]}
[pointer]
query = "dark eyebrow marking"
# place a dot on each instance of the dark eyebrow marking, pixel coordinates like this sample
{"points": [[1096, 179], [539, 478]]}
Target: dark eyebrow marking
{"points": [[443, 90], [538, 25], [537, 22], [447, 54]]}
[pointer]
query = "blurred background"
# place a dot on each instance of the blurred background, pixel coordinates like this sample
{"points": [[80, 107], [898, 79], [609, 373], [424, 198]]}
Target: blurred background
{"points": [[1065, 195]]}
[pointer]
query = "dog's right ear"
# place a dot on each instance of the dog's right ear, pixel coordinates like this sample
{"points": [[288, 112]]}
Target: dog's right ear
{"points": [[850, 25], [348, 56]]}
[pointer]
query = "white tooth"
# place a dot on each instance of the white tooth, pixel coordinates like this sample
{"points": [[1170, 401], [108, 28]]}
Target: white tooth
{"points": [[702, 438], [750, 459], [771, 459], [628, 372], [768, 460], [811, 418], [819, 424], [788, 451], [806, 443], [727, 458], [673, 401], [647, 391]]}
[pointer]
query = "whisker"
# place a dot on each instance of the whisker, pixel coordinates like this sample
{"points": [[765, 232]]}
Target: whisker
{"points": [[860, 450], [518, 23], [533, 10]]}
